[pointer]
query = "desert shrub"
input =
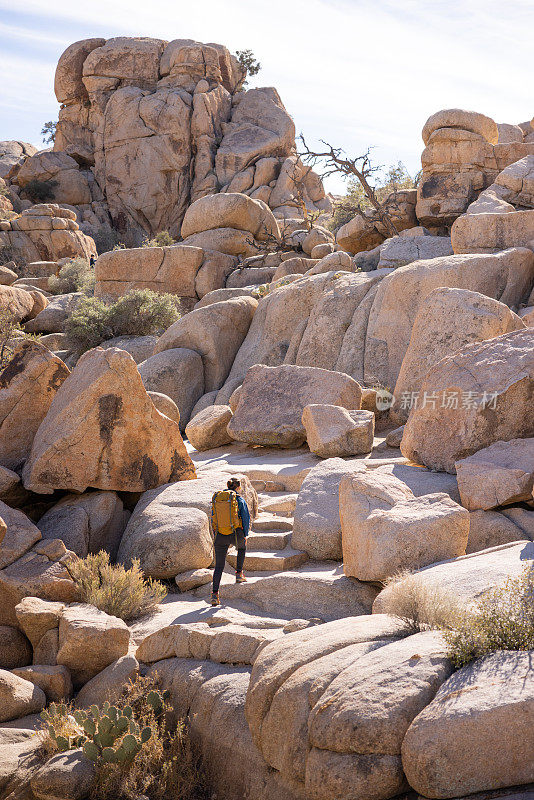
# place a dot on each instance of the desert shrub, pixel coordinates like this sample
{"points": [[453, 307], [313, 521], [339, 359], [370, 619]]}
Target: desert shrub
{"points": [[161, 239], [40, 191], [502, 620], [76, 276], [113, 588], [420, 605], [136, 748], [9, 328], [138, 313]]}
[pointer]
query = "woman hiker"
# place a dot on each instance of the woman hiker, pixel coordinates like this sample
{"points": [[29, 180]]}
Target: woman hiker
{"points": [[230, 519]]}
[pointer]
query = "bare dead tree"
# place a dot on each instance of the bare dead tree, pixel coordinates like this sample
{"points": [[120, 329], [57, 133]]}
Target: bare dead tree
{"points": [[334, 160]]}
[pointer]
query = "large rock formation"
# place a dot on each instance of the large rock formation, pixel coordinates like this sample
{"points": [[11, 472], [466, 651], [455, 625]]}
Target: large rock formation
{"points": [[462, 157], [146, 127]]}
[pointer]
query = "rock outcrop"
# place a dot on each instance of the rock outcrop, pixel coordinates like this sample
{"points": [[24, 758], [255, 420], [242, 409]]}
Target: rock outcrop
{"points": [[272, 400], [45, 232], [28, 384], [386, 529], [124, 442], [497, 378]]}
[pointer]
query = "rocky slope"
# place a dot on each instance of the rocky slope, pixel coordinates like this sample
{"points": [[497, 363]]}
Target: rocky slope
{"points": [[373, 395]]}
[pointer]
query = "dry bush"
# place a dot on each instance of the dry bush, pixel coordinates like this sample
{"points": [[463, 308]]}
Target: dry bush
{"points": [[57, 721], [40, 191], [502, 620], [161, 239], [76, 276], [113, 588], [419, 605], [138, 313]]}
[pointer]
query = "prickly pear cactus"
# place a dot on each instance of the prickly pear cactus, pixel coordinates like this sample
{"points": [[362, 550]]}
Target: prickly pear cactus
{"points": [[108, 733]]}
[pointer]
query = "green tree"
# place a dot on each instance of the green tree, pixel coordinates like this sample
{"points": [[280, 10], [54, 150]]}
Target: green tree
{"points": [[250, 64], [48, 132]]}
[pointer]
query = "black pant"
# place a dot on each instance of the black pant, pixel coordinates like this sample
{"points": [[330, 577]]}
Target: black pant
{"points": [[221, 545]]}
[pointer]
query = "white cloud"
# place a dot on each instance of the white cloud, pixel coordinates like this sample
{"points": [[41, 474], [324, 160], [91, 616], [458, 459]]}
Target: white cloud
{"points": [[354, 72]]}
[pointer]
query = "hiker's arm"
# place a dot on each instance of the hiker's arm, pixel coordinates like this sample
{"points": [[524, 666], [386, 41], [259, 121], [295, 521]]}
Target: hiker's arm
{"points": [[244, 514]]}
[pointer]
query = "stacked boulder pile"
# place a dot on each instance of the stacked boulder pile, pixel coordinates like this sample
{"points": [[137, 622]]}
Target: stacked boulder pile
{"points": [[45, 232], [211, 137]]}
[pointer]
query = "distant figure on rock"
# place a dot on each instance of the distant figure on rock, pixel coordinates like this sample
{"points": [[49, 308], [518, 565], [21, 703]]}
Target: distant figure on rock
{"points": [[92, 260], [230, 519]]}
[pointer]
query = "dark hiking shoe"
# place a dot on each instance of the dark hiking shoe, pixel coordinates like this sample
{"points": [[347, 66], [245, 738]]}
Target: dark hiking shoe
{"points": [[215, 599], [240, 578]]}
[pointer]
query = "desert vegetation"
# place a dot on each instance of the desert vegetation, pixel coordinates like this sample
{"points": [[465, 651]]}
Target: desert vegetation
{"points": [[119, 591], [138, 313]]}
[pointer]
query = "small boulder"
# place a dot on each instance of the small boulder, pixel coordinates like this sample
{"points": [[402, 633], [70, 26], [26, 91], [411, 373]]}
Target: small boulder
{"points": [[167, 544], [53, 680], [103, 431], [316, 525], [17, 301], [109, 683], [65, 776], [333, 431], [193, 578], [204, 330], [230, 210], [165, 405], [208, 429], [488, 391], [177, 373], [498, 475], [90, 640], [272, 400], [485, 710], [15, 649], [41, 572], [386, 529], [86, 523], [18, 697], [52, 319], [36, 616], [20, 536]]}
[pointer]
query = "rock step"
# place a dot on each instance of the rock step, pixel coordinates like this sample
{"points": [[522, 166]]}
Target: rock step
{"points": [[268, 540], [270, 560], [280, 503], [270, 522]]}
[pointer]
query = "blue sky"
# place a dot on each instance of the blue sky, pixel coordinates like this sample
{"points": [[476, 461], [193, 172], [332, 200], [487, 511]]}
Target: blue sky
{"points": [[354, 72]]}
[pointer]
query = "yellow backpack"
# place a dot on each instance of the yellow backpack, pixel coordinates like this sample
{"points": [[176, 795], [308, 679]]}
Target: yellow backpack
{"points": [[225, 513]]}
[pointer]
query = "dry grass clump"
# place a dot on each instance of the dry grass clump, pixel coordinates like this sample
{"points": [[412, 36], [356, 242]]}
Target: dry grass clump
{"points": [[420, 605], [113, 588]]}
